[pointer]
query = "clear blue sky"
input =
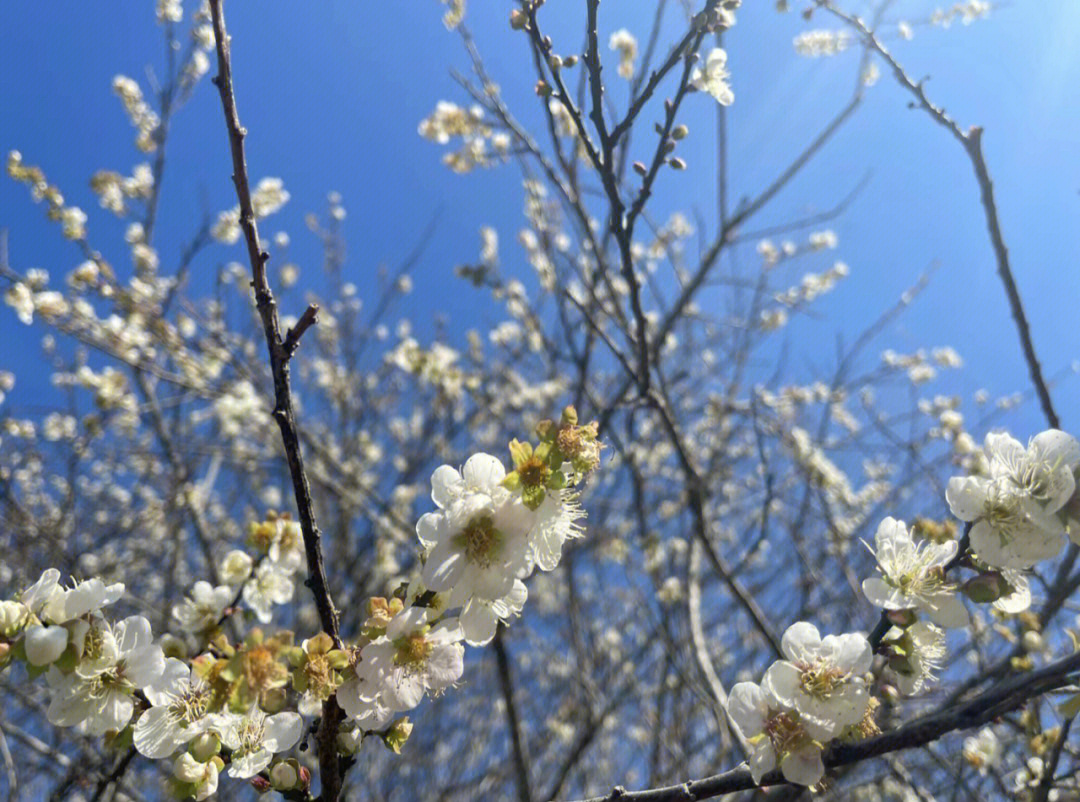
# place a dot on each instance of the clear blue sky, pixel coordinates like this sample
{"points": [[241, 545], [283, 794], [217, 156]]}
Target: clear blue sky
{"points": [[332, 92]]}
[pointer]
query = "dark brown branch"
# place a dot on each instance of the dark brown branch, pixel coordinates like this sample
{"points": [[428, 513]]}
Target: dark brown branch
{"points": [[506, 683], [306, 321], [330, 767]]}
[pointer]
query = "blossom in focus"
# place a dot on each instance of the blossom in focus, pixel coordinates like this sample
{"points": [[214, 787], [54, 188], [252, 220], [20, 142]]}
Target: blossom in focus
{"points": [[775, 736], [255, 738], [179, 711], [913, 576], [821, 679], [116, 660]]}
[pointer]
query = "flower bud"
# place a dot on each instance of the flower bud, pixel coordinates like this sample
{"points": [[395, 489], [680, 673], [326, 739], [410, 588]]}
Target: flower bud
{"points": [[1033, 641], [205, 746], [679, 132], [173, 646], [677, 163], [260, 784], [274, 700], [518, 19], [13, 617], [284, 776], [44, 645], [398, 733], [986, 588]]}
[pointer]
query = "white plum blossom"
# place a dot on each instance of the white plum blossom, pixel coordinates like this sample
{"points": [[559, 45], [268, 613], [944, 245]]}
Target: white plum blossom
{"points": [[48, 600], [1009, 529], [775, 736], [116, 661], [255, 738], [202, 609], [713, 78], [821, 679], [925, 647], [1015, 509], [477, 543], [913, 576], [179, 711], [625, 44], [398, 669], [270, 585]]}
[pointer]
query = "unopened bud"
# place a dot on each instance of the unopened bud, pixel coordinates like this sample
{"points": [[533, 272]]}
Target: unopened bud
{"points": [[260, 784], [205, 746], [1033, 641], [569, 61], [284, 776], [543, 89], [677, 163], [13, 616], [679, 132], [274, 700], [398, 734], [986, 588], [518, 19], [640, 168]]}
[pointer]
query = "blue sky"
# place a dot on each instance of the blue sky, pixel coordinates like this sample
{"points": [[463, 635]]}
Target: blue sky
{"points": [[332, 93]]}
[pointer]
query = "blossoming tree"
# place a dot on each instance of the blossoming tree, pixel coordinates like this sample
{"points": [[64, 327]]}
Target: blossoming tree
{"points": [[636, 568]]}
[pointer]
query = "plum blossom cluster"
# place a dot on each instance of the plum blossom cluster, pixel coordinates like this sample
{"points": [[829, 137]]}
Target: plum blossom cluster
{"points": [[818, 694], [490, 531], [1018, 511], [210, 705]]}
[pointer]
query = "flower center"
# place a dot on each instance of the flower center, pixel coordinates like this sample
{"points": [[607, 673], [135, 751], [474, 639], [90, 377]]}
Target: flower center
{"points": [[251, 734], [784, 731], [820, 680], [534, 472], [413, 650], [190, 704], [480, 541]]}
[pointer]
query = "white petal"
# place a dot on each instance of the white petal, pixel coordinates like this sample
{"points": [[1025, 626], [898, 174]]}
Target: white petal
{"points": [[947, 610], [44, 645], [881, 594], [801, 641], [156, 734], [483, 472], [804, 766], [427, 528], [747, 708], [782, 682], [174, 678], [762, 759], [444, 567], [478, 623], [966, 496], [283, 730], [446, 485]]}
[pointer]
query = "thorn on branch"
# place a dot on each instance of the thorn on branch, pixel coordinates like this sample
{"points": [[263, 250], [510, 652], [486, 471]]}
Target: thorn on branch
{"points": [[306, 321]]}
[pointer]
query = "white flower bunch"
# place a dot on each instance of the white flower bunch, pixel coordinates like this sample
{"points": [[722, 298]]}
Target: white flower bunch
{"points": [[490, 530], [1015, 509], [803, 702]]}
